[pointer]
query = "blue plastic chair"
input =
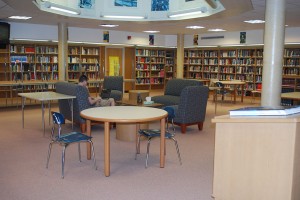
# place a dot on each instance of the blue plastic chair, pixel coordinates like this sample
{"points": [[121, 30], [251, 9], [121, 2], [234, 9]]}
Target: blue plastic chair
{"points": [[154, 133], [67, 139]]}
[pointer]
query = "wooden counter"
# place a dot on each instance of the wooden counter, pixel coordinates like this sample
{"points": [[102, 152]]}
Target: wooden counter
{"points": [[257, 158]]}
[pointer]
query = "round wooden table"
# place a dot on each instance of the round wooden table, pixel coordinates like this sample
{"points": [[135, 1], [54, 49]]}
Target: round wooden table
{"points": [[124, 114]]}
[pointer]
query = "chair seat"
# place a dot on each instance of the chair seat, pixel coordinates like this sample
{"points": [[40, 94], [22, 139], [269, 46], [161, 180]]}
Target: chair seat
{"points": [[150, 133], [73, 137]]}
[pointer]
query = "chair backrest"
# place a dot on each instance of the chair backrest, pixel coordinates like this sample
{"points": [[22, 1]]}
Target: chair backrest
{"points": [[80, 103], [113, 83], [212, 82], [192, 105], [219, 84], [175, 86], [170, 117], [58, 118]]}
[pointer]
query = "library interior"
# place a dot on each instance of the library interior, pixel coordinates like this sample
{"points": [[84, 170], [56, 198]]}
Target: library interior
{"points": [[180, 70]]}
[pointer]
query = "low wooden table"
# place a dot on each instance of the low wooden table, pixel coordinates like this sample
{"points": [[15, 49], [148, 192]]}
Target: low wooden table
{"points": [[127, 132], [134, 93]]}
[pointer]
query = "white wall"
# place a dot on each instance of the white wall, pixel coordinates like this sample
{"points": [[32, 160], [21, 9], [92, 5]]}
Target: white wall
{"points": [[46, 32]]}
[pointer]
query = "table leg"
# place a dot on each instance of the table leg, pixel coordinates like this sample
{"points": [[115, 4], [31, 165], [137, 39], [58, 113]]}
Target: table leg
{"points": [[72, 110], [242, 95], [88, 133], [106, 149], [162, 142], [43, 117], [23, 105], [234, 96], [49, 110]]}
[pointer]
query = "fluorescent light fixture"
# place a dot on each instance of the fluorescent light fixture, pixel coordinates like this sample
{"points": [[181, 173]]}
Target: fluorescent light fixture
{"points": [[151, 31], [186, 14], [123, 17], [194, 27], [46, 5], [256, 21], [19, 17], [34, 40], [64, 10], [216, 29], [109, 25]]}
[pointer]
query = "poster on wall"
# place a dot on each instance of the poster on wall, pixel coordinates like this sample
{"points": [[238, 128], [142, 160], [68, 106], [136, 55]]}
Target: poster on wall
{"points": [[195, 40], [105, 36], [242, 37], [151, 39], [160, 5], [126, 3], [114, 66], [87, 4]]}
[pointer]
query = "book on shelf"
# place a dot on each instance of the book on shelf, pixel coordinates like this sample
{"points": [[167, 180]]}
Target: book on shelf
{"points": [[265, 111]]}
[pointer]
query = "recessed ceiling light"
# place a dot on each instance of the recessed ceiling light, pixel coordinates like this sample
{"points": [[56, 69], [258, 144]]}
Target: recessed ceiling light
{"points": [[194, 27], [216, 29], [19, 17], [109, 25], [151, 31], [256, 21]]}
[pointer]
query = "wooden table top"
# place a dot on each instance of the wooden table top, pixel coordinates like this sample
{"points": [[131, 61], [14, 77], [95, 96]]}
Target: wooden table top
{"points": [[123, 114]]}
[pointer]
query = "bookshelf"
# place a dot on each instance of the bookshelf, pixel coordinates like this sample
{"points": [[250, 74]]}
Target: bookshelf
{"points": [[150, 67], [4, 72], [84, 60], [170, 66], [225, 64]]}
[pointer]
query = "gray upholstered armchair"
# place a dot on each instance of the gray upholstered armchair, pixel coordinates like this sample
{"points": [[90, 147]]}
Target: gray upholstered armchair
{"points": [[115, 83], [80, 103], [191, 109], [173, 91]]}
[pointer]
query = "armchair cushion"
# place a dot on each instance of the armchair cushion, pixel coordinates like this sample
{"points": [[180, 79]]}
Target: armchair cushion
{"points": [[115, 84]]}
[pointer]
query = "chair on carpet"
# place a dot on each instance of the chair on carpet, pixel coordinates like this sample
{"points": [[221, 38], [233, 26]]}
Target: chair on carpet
{"points": [[154, 133], [223, 91], [115, 84], [66, 139]]}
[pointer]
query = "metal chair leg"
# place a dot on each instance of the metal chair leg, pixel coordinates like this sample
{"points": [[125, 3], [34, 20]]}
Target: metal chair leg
{"points": [[63, 162], [49, 153], [147, 155], [177, 149], [79, 152], [93, 154]]}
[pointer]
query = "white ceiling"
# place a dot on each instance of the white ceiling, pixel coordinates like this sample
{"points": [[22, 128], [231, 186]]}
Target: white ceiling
{"points": [[231, 19]]}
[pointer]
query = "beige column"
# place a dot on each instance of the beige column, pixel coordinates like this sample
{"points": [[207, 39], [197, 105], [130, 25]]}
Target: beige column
{"points": [[273, 52], [62, 50], [180, 56]]}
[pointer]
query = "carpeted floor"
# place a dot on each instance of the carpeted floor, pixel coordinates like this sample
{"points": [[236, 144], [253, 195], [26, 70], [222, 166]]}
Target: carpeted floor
{"points": [[23, 175]]}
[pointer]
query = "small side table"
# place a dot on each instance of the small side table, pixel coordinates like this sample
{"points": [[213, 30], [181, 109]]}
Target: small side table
{"points": [[134, 93]]}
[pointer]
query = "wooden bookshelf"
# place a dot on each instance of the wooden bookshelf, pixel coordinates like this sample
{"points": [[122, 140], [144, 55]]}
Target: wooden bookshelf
{"points": [[150, 68], [85, 60]]}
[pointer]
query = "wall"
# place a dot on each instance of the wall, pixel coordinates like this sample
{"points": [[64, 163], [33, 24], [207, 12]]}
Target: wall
{"points": [[46, 32]]}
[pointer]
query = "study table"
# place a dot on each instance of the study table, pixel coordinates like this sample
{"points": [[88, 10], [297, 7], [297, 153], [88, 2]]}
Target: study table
{"points": [[123, 114], [235, 83], [295, 96], [42, 97]]}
